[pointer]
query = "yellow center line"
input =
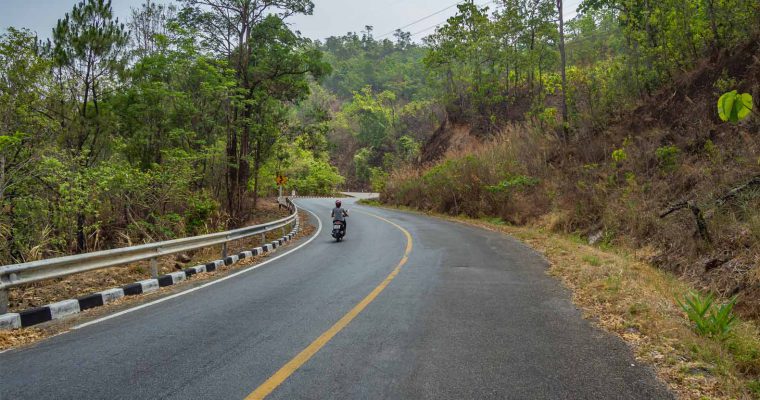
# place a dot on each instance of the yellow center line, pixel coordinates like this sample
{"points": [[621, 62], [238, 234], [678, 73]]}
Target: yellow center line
{"points": [[299, 360]]}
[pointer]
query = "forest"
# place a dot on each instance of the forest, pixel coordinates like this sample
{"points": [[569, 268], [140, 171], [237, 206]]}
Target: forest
{"points": [[169, 124]]}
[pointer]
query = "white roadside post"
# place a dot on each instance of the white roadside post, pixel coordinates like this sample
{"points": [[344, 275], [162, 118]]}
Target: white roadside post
{"points": [[154, 268]]}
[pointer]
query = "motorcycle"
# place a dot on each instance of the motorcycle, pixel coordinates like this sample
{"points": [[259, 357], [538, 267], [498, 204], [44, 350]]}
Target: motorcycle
{"points": [[339, 228]]}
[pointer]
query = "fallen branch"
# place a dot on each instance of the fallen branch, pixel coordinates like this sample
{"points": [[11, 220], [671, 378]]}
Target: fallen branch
{"points": [[674, 208], [698, 216], [735, 191]]}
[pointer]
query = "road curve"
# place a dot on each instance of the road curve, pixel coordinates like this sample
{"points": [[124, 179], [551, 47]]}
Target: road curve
{"points": [[471, 315]]}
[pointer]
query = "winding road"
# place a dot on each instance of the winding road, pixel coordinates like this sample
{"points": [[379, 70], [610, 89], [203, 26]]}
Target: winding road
{"points": [[407, 307]]}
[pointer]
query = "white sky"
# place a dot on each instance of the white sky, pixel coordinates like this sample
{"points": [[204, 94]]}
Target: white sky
{"points": [[331, 17]]}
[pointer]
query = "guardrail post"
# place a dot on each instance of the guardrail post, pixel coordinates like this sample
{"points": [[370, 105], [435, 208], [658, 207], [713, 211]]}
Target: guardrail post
{"points": [[263, 239], [224, 250], [154, 268], [3, 301]]}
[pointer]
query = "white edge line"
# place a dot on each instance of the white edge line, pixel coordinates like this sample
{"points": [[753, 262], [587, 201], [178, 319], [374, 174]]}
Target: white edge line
{"points": [[205, 285]]}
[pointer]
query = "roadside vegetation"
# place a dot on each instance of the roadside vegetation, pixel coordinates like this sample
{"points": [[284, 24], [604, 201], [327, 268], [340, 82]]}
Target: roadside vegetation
{"points": [[658, 149], [632, 127], [168, 124], [699, 357]]}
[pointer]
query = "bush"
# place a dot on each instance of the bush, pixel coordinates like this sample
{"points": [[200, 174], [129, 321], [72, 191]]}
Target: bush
{"points": [[515, 182], [200, 208], [619, 155], [667, 157], [709, 319]]}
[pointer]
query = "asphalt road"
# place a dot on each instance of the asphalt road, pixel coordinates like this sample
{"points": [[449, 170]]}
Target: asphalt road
{"points": [[471, 315]]}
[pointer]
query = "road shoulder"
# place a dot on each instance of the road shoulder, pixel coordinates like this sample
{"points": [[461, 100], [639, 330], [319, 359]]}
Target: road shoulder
{"points": [[18, 339], [638, 303]]}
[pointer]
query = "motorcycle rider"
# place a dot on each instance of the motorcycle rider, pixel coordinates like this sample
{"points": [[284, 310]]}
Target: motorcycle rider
{"points": [[340, 214]]}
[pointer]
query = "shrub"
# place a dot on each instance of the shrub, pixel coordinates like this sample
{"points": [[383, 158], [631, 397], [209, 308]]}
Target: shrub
{"points": [[709, 319], [377, 179], [667, 157], [619, 155], [515, 182], [200, 208]]}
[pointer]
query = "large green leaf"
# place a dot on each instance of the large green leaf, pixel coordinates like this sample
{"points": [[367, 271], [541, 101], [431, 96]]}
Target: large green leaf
{"points": [[746, 108], [725, 105], [734, 107]]}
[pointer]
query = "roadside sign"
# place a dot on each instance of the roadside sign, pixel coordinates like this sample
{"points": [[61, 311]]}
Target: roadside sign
{"points": [[282, 180]]}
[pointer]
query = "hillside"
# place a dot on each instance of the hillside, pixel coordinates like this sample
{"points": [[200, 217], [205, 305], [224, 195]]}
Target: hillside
{"points": [[675, 149]]}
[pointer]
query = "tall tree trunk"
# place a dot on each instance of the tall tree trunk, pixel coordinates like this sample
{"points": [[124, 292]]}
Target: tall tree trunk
{"points": [[244, 172], [232, 168], [2, 178], [713, 23], [81, 240], [256, 168], [564, 69]]}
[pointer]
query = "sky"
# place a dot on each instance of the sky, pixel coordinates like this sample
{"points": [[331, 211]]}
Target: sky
{"points": [[331, 17]]}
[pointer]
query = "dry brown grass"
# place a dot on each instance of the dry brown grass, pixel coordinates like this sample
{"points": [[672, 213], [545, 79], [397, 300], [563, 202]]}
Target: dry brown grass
{"points": [[637, 302], [583, 190]]}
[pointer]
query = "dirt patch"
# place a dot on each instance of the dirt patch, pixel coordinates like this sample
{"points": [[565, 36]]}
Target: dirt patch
{"points": [[74, 286], [449, 138]]}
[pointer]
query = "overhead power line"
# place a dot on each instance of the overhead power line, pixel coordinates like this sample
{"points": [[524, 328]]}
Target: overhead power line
{"points": [[443, 22], [421, 19], [574, 4]]}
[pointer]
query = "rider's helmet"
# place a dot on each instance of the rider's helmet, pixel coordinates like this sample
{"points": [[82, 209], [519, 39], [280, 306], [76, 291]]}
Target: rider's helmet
{"points": [[337, 203]]}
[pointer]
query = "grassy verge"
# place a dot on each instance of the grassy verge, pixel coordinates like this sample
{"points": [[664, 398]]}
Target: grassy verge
{"points": [[639, 303]]}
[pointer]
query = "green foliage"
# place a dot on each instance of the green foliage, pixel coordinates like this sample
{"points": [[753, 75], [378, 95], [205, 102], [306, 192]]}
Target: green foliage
{"points": [[513, 183], [708, 318], [592, 260], [201, 207], [409, 148], [375, 116], [362, 164], [377, 179], [619, 156], [734, 107], [110, 137], [667, 157], [754, 387], [308, 173], [725, 83]]}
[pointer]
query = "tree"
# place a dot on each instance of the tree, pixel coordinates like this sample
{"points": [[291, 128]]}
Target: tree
{"points": [[248, 37], [24, 130], [563, 68], [89, 51], [149, 26]]}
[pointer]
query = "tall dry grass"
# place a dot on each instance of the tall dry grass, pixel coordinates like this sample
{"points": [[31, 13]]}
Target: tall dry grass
{"points": [[524, 176]]}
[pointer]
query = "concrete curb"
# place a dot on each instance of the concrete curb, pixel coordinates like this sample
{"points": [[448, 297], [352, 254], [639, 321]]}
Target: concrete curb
{"points": [[62, 309]]}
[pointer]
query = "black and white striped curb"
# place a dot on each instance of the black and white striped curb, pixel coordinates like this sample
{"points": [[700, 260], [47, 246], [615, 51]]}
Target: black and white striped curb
{"points": [[65, 308]]}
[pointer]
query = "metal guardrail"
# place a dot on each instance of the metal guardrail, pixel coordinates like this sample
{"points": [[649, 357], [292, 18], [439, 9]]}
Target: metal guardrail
{"points": [[35, 271]]}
